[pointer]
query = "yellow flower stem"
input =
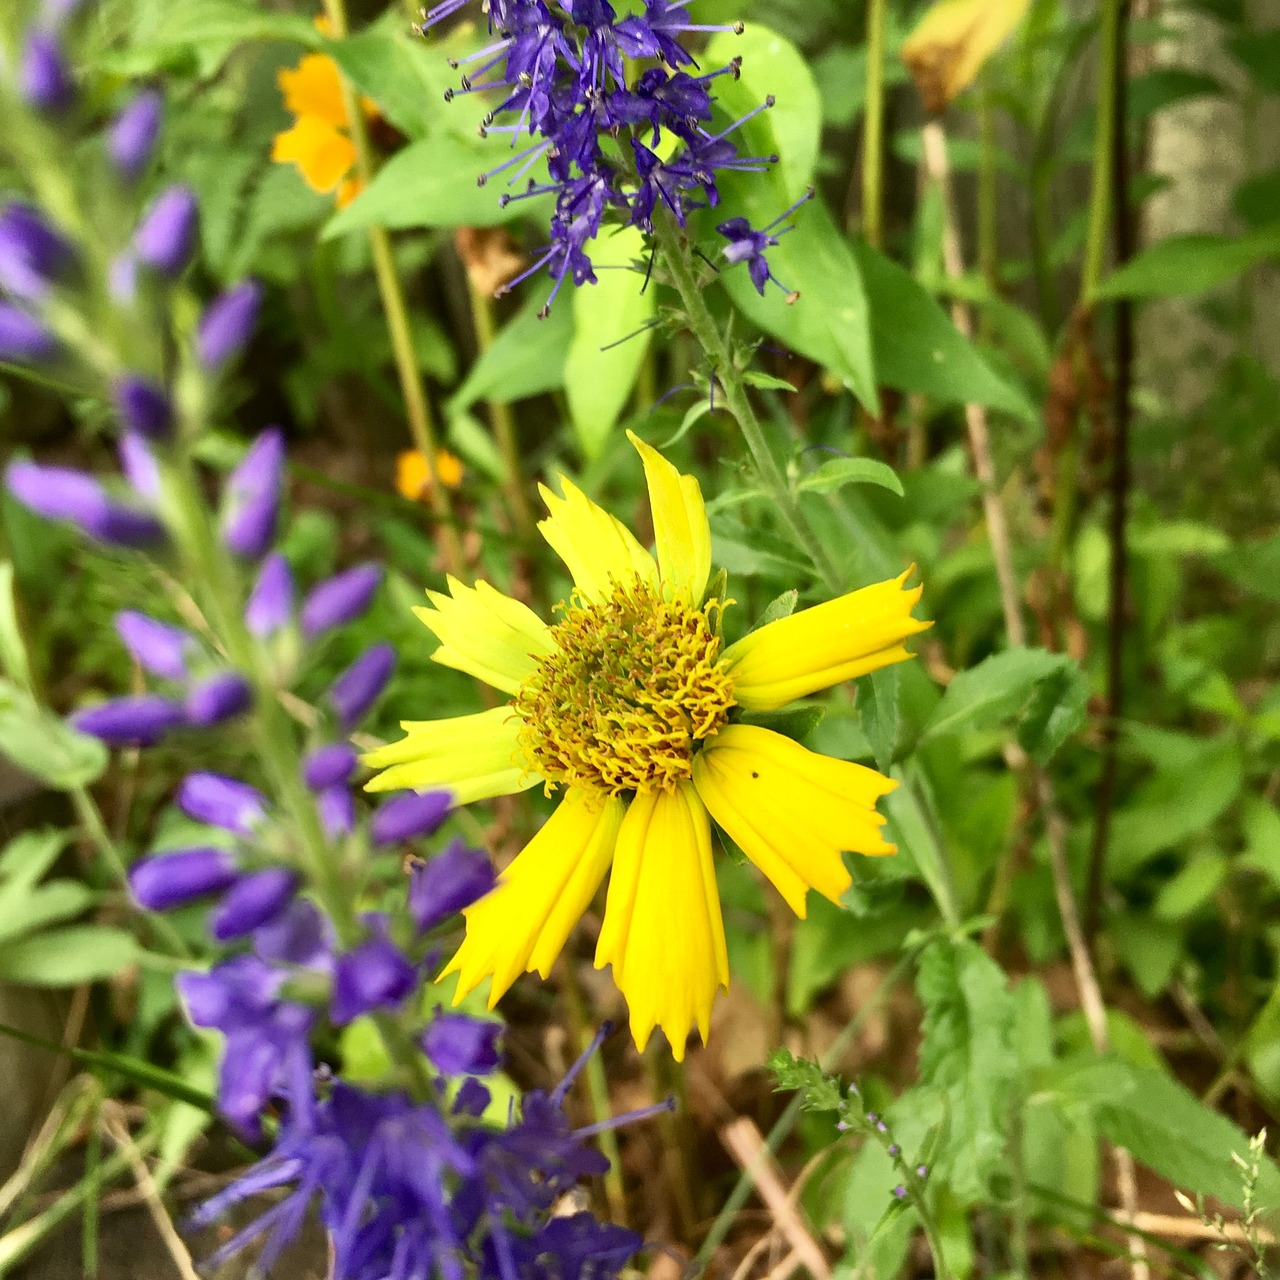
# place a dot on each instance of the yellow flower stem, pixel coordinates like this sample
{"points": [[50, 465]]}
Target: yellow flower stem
{"points": [[394, 307], [503, 420], [679, 264]]}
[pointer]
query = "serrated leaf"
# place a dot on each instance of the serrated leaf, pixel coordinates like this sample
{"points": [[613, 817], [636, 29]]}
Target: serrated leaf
{"points": [[839, 472], [781, 606], [67, 956]]}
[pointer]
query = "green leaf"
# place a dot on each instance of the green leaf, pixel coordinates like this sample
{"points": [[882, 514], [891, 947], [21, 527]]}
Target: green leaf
{"points": [[526, 359], [1189, 264], [781, 606], [968, 1052], [1259, 53], [819, 1091], [68, 956], [404, 75], [26, 858], [1056, 710], [13, 652], [1149, 948], [432, 183], [1262, 1047], [50, 903], [796, 722], [45, 746], [1192, 888], [877, 703], [607, 352], [766, 381], [839, 472]]}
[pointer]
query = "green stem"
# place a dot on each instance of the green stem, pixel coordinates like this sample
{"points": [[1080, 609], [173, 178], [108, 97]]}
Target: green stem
{"points": [[1103, 143], [988, 197], [676, 255], [873, 129]]}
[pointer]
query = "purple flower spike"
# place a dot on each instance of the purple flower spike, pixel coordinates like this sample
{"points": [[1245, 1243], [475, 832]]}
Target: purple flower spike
{"points": [[461, 1046], [23, 339], [44, 79], [328, 766], [448, 883], [222, 802], [168, 880], [340, 599], [373, 975], [251, 501], [252, 901], [130, 722], [270, 605], [144, 407], [61, 494], [337, 811], [360, 685], [155, 646], [133, 134], [227, 325], [32, 254], [220, 697], [166, 236], [410, 816]]}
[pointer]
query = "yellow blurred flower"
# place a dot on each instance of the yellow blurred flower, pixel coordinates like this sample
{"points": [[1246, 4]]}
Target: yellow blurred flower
{"points": [[414, 475], [632, 705]]}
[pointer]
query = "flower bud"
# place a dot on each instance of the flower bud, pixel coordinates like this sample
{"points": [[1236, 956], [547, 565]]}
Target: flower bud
{"points": [[130, 722], [143, 406], [133, 134], [373, 975], [270, 604], [32, 254], [251, 500], [360, 685], [410, 816], [227, 325], [168, 880], [340, 599], [166, 236], [446, 884], [139, 466], [44, 79], [337, 811], [58, 493], [328, 766], [459, 1045], [23, 339], [220, 697], [252, 901], [155, 646], [222, 802]]}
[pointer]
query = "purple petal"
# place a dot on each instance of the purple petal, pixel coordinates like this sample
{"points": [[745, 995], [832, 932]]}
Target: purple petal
{"points": [[462, 1046], [227, 324], [144, 407], [133, 134], [329, 766], [24, 340], [337, 811], [219, 698], [32, 253], [168, 880], [156, 647], [139, 466], [374, 975], [446, 884], [410, 816], [252, 901], [44, 79], [355, 691], [130, 722], [340, 599], [270, 605], [251, 499], [166, 236], [222, 802]]}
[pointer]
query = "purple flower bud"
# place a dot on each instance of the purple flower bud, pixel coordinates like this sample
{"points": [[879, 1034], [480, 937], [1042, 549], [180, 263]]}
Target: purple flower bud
{"points": [[133, 134], [168, 880], [302, 936], [61, 494], [23, 339], [922, 1171], [894, 1149], [410, 816], [156, 647], [144, 407], [139, 466], [166, 236], [252, 901], [270, 603], [472, 1098], [461, 1046], [360, 685], [130, 722], [900, 1191], [872, 1118], [220, 697], [32, 253], [122, 279], [251, 500], [340, 599], [227, 324], [337, 811], [328, 766], [448, 883], [44, 80], [222, 802], [373, 975]]}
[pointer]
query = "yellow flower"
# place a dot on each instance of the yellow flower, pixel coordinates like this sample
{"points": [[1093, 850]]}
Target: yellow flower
{"points": [[319, 142], [415, 476], [629, 704]]}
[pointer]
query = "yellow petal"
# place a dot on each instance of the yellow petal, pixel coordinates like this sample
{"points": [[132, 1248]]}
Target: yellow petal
{"points": [[488, 635], [314, 88], [790, 810], [952, 40], [663, 932], [680, 527], [524, 922], [323, 155], [476, 757], [823, 646], [597, 548]]}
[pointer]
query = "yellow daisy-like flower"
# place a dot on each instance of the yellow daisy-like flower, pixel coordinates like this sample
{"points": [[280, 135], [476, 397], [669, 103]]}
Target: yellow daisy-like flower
{"points": [[629, 703], [319, 142]]}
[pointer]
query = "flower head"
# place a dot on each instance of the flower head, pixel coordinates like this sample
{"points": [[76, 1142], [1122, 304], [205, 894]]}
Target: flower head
{"points": [[633, 706]]}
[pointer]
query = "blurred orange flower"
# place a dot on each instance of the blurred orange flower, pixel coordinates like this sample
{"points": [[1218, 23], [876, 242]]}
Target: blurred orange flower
{"points": [[415, 476]]}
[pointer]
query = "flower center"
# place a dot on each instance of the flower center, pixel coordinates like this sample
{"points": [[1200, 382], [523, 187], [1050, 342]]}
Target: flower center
{"points": [[632, 688]]}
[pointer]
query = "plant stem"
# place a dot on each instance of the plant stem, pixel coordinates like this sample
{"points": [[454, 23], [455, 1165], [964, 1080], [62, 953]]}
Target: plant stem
{"points": [[417, 409], [676, 255], [873, 129], [988, 195], [1104, 141]]}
